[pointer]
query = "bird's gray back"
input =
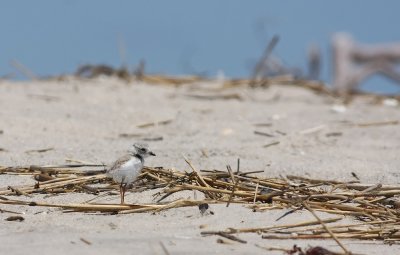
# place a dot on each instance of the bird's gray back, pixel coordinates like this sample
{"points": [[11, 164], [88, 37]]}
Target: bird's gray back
{"points": [[119, 162]]}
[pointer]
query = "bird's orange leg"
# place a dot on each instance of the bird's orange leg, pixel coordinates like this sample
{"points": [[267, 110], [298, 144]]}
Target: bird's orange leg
{"points": [[122, 192]]}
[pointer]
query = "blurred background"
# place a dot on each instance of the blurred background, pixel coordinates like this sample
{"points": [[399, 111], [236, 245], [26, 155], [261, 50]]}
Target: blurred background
{"points": [[207, 37]]}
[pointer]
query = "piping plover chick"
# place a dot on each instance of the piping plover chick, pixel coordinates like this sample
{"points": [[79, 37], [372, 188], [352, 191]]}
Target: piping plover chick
{"points": [[127, 168]]}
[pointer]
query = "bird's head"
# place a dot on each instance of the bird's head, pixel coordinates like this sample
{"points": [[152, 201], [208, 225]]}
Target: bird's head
{"points": [[143, 150]]}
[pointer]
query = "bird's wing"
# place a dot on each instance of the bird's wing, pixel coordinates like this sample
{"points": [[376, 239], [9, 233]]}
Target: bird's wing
{"points": [[120, 161]]}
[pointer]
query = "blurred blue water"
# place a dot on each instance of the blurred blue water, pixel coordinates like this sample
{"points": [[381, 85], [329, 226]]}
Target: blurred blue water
{"points": [[186, 37]]}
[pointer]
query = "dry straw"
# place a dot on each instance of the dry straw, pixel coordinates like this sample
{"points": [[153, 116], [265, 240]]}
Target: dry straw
{"points": [[374, 206]]}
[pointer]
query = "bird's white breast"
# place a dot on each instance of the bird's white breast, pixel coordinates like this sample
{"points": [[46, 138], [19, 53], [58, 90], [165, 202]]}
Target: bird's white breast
{"points": [[128, 172]]}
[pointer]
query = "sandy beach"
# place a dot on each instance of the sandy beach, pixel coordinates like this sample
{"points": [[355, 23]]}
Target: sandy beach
{"points": [[281, 130]]}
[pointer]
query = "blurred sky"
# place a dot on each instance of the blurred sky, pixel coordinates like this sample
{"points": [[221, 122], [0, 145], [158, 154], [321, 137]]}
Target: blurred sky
{"points": [[186, 37]]}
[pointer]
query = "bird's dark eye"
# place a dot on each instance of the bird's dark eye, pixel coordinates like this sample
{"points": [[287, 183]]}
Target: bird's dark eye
{"points": [[143, 150]]}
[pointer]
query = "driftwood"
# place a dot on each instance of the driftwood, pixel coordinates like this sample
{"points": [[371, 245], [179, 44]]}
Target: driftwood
{"points": [[261, 68], [314, 63], [353, 62]]}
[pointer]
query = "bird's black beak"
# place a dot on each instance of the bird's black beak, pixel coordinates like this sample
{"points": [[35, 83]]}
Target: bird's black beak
{"points": [[152, 153]]}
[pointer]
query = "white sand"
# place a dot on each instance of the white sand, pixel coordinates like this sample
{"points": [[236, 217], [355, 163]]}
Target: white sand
{"points": [[83, 120]]}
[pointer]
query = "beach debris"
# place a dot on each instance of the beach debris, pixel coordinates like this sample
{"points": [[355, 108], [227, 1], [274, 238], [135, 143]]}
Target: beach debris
{"points": [[234, 183], [139, 72], [203, 208], [142, 137], [255, 193], [47, 98], [28, 73], [238, 166], [374, 207], [223, 234], [269, 70], [354, 62], [355, 175], [204, 152], [164, 248], [15, 218], [378, 123], [314, 62], [217, 97], [271, 144], [338, 108], [157, 123], [330, 134], [296, 250], [18, 192], [326, 228], [263, 133], [152, 139], [8, 211], [39, 150], [312, 130], [262, 67], [130, 135], [43, 177], [390, 102], [222, 241], [203, 226], [290, 212], [280, 132], [84, 240], [93, 71], [263, 124], [316, 250]]}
